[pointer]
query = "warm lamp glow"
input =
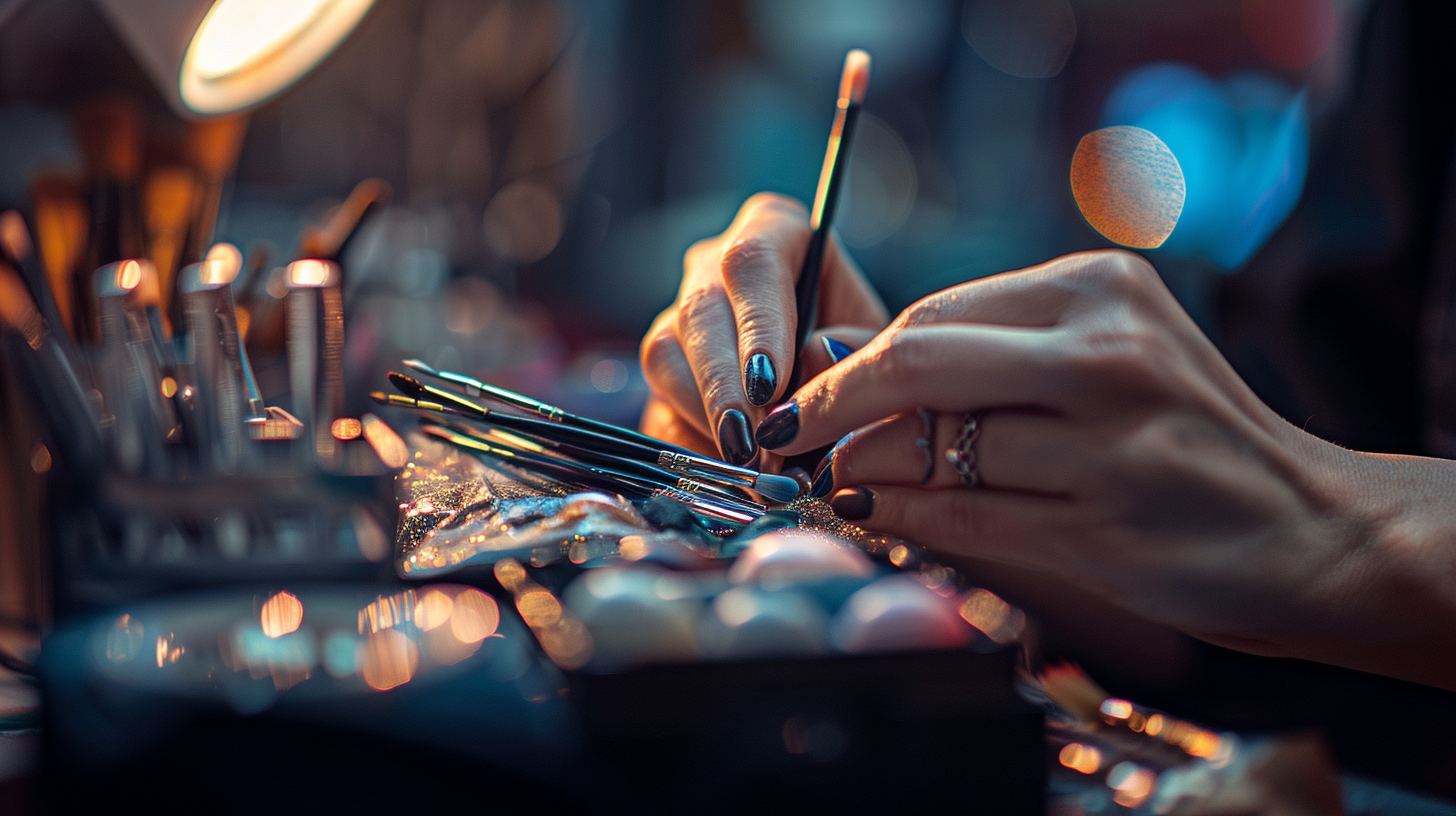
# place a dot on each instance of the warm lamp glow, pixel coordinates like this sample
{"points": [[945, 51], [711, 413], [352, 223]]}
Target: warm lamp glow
{"points": [[238, 34], [128, 275], [245, 51], [310, 272], [281, 614], [222, 264]]}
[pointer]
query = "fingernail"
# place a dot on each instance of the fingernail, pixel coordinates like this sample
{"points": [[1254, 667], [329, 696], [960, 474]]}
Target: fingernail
{"points": [[734, 439], [780, 426], [759, 379], [824, 473], [836, 350], [823, 477], [853, 503]]}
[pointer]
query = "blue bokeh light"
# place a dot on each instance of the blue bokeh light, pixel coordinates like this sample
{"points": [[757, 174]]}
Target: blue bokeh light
{"points": [[1243, 145]]}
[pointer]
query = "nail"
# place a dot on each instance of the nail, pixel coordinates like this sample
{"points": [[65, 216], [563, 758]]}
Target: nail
{"points": [[734, 439], [759, 379], [836, 350], [824, 473], [853, 503], [780, 426], [823, 477]]}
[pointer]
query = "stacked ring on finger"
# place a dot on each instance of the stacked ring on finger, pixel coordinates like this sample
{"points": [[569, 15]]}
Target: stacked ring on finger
{"points": [[963, 455]]}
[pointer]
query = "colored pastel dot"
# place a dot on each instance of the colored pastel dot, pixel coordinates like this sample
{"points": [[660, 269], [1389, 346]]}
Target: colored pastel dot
{"points": [[1128, 185]]}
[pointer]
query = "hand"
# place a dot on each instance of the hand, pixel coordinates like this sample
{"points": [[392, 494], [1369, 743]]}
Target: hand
{"points": [[725, 346], [1120, 452]]}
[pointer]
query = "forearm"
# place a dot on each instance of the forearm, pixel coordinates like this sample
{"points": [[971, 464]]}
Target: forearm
{"points": [[1388, 602]]}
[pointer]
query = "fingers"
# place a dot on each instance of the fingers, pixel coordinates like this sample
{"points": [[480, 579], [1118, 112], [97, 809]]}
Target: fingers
{"points": [[1039, 296], [758, 268], [827, 347], [949, 368], [1015, 450], [661, 421], [1013, 528], [668, 374]]}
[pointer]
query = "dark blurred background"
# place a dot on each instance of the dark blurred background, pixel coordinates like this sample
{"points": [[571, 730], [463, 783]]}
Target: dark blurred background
{"points": [[551, 161]]}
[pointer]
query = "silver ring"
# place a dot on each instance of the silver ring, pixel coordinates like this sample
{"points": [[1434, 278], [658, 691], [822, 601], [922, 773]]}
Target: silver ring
{"points": [[926, 442], [962, 455]]}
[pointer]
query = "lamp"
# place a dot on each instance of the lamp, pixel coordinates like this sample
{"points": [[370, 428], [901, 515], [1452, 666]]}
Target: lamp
{"points": [[219, 56]]}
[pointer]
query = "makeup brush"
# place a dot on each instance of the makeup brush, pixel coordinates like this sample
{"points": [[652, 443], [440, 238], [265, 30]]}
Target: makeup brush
{"points": [[17, 249], [64, 402], [168, 198], [212, 145], [109, 133], [329, 241], [671, 457], [59, 209], [618, 441], [632, 467], [598, 478], [852, 84]]}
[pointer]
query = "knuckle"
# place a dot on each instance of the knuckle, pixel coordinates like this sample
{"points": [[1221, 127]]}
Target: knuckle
{"points": [[696, 302], [1120, 271], [773, 201], [746, 255], [659, 347], [904, 360]]}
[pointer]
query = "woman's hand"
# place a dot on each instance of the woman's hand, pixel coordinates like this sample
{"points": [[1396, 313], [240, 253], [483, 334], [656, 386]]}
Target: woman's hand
{"points": [[725, 346], [1119, 451]]}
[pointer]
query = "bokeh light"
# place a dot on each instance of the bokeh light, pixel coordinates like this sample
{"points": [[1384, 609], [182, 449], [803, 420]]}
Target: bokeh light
{"points": [[475, 617], [1242, 145], [1131, 784], [390, 659], [1081, 758], [1128, 185], [1001, 621], [281, 614]]}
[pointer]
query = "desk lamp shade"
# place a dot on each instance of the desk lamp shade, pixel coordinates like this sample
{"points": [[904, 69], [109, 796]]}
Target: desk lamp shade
{"points": [[219, 56]]}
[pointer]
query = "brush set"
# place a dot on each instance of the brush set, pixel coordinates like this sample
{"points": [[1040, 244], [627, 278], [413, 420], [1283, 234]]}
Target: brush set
{"points": [[122, 325], [582, 452]]}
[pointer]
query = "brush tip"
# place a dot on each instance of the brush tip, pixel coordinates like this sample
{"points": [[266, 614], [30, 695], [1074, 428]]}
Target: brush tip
{"points": [[419, 365], [778, 488], [406, 383], [379, 397], [856, 77]]}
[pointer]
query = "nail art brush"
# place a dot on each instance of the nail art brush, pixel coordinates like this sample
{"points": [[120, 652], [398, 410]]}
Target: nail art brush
{"points": [[598, 478], [632, 467], [665, 455], [616, 441], [852, 84]]}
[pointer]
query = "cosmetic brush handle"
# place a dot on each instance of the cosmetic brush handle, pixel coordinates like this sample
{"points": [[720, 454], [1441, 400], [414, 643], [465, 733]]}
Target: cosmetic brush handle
{"points": [[853, 81]]}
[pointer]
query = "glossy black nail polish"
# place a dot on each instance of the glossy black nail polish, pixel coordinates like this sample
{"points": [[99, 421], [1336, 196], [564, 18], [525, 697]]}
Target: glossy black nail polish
{"points": [[759, 379], [780, 426], [836, 350], [823, 477], [853, 503], [734, 439]]}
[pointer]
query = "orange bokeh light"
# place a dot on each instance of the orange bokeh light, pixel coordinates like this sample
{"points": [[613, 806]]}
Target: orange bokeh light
{"points": [[391, 659], [1081, 758], [476, 616], [281, 614]]}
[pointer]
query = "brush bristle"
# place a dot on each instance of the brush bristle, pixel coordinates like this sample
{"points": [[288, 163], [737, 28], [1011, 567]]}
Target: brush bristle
{"points": [[856, 77], [420, 365], [406, 383], [778, 488]]}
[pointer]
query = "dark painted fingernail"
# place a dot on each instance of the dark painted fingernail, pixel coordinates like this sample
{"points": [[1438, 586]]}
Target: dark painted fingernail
{"points": [[853, 503], [823, 477], [780, 426], [759, 379], [836, 350], [734, 439], [824, 473]]}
